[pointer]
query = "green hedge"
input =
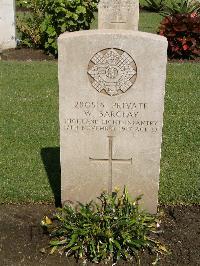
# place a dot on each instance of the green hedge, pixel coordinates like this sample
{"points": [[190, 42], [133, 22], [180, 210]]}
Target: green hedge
{"points": [[47, 19]]}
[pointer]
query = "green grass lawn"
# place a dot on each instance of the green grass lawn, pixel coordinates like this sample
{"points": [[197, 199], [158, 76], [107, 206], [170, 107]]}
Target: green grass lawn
{"points": [[180, 167], [29, 122], [29, 125], [149, 22], [29, 129]]}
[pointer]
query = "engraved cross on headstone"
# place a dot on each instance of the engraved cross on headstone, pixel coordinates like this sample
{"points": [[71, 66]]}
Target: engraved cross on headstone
{"points": [[118, 14], [111, 160]]}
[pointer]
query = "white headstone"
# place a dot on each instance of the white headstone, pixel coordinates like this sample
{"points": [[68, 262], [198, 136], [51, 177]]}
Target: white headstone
{"points": [[118, 14], [112, 86], [7, 24]]}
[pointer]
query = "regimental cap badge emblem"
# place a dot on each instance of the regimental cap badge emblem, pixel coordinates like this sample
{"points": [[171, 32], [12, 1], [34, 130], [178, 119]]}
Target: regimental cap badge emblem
{"points": [[112, 71]]}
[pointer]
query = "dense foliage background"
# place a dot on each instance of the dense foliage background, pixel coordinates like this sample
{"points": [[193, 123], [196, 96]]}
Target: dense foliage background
{"points": [[45, 20], [41, 22]]}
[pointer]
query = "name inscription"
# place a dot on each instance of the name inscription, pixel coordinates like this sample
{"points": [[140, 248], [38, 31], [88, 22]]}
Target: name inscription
{"points": [[121, 117]]}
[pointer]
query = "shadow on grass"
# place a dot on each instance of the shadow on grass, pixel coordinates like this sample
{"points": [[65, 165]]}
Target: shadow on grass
{"points": [[51, 161]]}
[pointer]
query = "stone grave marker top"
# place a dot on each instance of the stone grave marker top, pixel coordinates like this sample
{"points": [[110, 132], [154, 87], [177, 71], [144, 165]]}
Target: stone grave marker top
{"points": [[118, 14], [7, 24]]}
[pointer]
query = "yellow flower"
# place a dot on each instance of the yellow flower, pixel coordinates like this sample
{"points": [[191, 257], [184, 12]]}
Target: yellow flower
{"points": [[117, 189], [46, 221]]}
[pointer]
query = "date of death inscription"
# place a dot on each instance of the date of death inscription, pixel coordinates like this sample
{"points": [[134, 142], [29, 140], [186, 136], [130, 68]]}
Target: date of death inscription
{"points": [[120, 117]]}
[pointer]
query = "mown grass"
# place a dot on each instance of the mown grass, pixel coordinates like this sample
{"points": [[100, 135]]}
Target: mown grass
{"points": [[29, 124], [180, 167], [149, 21]]}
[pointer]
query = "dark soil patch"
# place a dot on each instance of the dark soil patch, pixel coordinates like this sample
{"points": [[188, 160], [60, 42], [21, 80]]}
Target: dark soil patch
{"points": [[25, 54], [23, 9], [21, 237], [182, 61], [29, 54]]}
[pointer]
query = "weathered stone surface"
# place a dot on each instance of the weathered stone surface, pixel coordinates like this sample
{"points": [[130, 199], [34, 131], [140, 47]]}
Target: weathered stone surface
{"points": [[112, 86], [118, 14], [7, 24]]}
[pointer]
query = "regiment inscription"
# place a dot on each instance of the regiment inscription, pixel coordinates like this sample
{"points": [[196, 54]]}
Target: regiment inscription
{"points": [[121, 117]]}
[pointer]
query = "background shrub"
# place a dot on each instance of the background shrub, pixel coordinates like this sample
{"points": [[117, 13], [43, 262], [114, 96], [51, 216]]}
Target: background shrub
{"points": [[154, 5], [183, 34], [49, 18], [24, 4], [181, 7]]}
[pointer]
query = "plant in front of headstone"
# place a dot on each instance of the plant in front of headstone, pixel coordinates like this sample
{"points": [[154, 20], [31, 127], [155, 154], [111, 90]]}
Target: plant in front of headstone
{"points": [[48, 19], [114, 229], [182, 32]]}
